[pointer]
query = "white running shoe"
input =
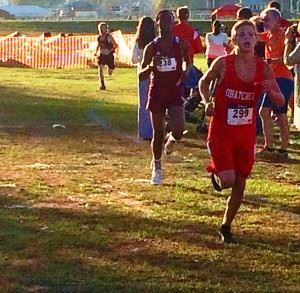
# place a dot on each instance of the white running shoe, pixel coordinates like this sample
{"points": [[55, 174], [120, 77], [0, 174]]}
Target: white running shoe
{"points": [[169, 145], [156, 176]]}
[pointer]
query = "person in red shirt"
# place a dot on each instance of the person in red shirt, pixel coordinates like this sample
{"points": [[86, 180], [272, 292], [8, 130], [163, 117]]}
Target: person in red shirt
{"points": [[184, 30], [241, 78], [162, 61], [284, 23], [187, 32], [274, 37]]}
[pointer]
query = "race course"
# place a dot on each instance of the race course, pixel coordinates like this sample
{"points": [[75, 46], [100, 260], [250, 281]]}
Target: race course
{"points": [[77, 212]]}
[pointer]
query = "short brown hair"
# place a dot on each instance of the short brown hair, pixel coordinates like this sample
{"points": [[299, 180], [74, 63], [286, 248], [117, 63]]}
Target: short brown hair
{"points": [[239, 24], [274, 4], [275, 12], [244, 13]]}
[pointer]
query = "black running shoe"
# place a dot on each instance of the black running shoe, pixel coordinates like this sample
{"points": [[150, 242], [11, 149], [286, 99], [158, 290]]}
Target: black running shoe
{"points": [[215, 183], [282, 153], [225, 234], [265, 153]]}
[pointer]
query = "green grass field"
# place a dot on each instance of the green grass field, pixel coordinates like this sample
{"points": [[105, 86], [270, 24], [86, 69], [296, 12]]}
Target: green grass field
{"points": [[35, 28], [77, 213]]}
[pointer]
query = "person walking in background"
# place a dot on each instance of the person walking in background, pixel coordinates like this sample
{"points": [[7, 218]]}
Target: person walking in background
{"points": [[144, 35], [162, 61], [241, 77], [216, 43], [107, 46], [274, 39]]}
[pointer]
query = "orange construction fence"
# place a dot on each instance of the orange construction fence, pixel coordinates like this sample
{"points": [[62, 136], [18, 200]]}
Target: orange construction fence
{"points": [[60, 51]]}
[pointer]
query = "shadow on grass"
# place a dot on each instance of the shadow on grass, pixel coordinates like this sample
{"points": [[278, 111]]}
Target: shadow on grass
{"points": [[293, 210], [105, 249], [20, 108], [278, 160]]}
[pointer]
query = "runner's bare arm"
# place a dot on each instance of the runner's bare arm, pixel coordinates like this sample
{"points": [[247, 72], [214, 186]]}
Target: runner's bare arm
{"points": [[146, 66], [270, 86], [97, 49], [215, 71]]}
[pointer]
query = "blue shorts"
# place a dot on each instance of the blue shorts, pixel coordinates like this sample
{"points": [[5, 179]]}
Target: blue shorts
{"points": [[286, 87]]}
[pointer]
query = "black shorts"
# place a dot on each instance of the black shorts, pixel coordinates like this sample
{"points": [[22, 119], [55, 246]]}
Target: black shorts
{"points": [[108, 60]]}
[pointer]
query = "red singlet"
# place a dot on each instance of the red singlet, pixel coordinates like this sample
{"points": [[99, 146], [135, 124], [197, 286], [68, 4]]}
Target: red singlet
{"points": [[163, 92], [231, 137]]}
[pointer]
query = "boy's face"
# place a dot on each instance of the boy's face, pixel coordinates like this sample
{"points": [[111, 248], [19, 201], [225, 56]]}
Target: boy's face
{"points": [[165, 22], [245, 38], [103, 29], [217, 27]]}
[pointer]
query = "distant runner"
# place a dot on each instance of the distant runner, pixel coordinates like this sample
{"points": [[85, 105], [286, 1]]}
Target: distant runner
{"points": [[107, 46]]}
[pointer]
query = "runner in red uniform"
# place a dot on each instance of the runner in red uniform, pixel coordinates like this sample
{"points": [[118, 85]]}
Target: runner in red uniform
{"points": [[163, 59], [242, 77]]}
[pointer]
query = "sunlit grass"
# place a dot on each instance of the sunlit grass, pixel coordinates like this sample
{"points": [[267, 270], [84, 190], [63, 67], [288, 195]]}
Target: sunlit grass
{"points": [[79, 215]]}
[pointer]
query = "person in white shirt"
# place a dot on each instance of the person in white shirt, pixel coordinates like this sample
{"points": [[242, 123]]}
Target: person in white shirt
{"points": [[216, 43]]}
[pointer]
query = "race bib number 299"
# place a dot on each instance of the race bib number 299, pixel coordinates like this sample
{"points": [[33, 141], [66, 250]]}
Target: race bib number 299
{"points": [[166, 64], [239, 116]]}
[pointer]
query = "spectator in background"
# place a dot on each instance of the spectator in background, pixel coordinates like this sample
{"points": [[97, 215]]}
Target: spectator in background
{"points": [[184, 30], [284, 23], [216, 43], [244, 13], [274, 37], [292, 46], [144, 35], [107, 46], [259, 52], [187, 32], [260, 46], [292, 56]]}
